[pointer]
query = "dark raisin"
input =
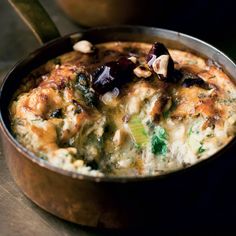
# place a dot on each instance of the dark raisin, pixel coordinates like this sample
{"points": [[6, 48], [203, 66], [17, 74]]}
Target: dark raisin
{"points": [[93, 164], [56, 114], [196, 82], [113, 74], [176, 76]]}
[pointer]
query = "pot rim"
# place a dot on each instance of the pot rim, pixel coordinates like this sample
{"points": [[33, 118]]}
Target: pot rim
{"points": [[118, 179]]}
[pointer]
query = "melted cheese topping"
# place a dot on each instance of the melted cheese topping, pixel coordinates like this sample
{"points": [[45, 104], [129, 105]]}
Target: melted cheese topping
{"points": [[52, 118]]}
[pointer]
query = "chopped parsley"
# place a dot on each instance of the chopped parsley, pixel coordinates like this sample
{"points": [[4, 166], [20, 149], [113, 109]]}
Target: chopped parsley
{"points": [[159, 141], [201, 150]]}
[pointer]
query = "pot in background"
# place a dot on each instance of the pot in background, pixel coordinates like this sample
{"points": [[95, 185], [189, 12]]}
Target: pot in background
{"points": [[112, 12]]}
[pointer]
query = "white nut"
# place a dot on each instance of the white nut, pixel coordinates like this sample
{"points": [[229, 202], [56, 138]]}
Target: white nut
{"points": [[133, 59], [83, 46], [142, 72], [160, 65]]}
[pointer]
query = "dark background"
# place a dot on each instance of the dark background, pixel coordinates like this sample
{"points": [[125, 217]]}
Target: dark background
{"points": [[215, 212], [209, 20]]}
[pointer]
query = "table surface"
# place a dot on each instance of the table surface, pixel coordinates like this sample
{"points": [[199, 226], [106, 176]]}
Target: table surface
{"points": [[18, 215]]}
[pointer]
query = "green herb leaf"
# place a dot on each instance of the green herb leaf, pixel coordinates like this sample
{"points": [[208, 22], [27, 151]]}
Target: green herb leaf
{"points": [[201, 150], [190, 131], [159, 141], [166, 114]]}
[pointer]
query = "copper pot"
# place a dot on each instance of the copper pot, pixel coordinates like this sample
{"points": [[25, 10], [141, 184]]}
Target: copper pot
{"points": [[107, 12], [95, 13], [109, 202]]}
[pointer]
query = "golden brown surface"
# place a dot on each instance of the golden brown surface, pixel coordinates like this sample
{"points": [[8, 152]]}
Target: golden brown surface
{"points": [[196, 121]]}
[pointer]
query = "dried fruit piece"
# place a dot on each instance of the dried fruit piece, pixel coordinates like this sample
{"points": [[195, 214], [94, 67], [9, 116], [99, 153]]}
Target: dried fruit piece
{"points": [[190, 79], [113, 74], [197, 82], [56, 113]]}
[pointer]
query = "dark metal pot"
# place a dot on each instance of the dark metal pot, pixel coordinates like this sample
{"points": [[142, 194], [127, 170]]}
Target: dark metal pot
{"points": [[95, 13], [109, 202]]}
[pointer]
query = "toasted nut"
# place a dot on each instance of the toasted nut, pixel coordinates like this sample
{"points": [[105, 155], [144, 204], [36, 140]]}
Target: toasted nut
{"points": [[133, 59], [142, 72], [83, 46], [160, 65]]}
